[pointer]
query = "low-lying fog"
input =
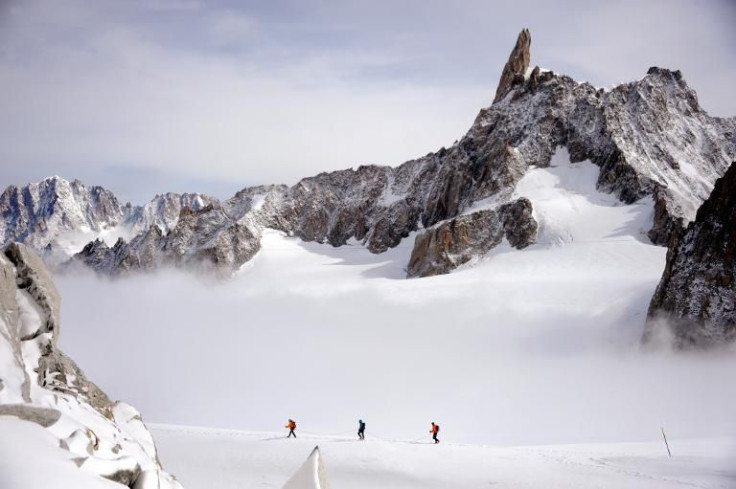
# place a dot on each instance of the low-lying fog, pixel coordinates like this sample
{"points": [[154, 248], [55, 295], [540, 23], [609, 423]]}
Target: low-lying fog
{"points": [[531, 347]]}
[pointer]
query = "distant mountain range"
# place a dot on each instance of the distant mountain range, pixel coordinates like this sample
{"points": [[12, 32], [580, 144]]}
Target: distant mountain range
{"points": [[57, 218]]}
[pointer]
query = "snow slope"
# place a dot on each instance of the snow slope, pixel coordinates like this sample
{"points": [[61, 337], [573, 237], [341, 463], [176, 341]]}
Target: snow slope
{"points": [[33, 448], [531, 347], [230, 459], [569, 212]]}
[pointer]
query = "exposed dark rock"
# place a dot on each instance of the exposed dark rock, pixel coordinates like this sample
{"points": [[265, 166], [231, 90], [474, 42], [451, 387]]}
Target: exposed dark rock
{"points": [[516, 66], [126, 477], [206, 238], [97, 255], [143, 252], [452, 243], [209, 237], [519, 224], [696, 298], [665, 227]]}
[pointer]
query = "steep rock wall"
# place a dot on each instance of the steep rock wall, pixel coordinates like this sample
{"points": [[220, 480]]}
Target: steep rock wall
{"points": [[696, 297]]}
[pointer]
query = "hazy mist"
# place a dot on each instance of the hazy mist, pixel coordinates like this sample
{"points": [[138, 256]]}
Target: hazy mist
{"points": [[496, 359]]}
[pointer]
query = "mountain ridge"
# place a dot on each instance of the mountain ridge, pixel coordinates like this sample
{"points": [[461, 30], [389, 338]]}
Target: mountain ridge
{"points": [[648, 137]]}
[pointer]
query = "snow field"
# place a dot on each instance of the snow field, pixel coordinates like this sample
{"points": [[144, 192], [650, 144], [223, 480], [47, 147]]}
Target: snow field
{"points": [[228, 459], [531, 347]]}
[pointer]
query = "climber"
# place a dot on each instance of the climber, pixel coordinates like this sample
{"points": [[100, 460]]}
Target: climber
{"points": [[435, 429], [361, 429], [292, 426]]}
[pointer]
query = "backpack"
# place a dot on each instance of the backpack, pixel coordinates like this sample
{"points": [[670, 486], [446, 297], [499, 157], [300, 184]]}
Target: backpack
{"points": [[437, 428]]}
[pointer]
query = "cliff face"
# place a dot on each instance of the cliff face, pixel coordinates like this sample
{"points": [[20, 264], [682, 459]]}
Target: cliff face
{"points": [[38, 383], [649, 138], [696, 298]]}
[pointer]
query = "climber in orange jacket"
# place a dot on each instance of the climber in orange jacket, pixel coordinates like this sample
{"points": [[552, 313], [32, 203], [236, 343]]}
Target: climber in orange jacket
{"points": [[435, 429], [291, 424]]}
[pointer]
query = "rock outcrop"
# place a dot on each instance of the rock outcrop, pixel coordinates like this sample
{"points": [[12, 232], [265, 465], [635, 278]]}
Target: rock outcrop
{"points": [[206, 239], [456, 241], [515, 68], [41, 385], [163, 211], [696, 298]]}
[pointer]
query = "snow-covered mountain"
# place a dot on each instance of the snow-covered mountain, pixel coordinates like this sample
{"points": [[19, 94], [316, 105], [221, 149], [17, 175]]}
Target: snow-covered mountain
{"points": [[55, 214], [57, 217], [648, 137]]}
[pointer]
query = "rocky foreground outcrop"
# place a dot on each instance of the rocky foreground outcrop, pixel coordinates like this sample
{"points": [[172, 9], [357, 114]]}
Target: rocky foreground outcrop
{"points": [[39, 384], [695, 302], [650, 138]]}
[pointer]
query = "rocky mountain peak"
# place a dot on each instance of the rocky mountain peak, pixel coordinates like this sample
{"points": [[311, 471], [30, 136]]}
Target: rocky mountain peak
{"points": [[516, 66]]}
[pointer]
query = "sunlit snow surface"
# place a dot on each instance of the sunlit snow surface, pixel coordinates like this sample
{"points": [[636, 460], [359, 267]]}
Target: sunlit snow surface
{"points": [[539, 346], [234, 460]]}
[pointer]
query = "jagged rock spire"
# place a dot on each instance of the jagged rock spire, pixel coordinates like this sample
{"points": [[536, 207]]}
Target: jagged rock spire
{"points": [[517, 64]]}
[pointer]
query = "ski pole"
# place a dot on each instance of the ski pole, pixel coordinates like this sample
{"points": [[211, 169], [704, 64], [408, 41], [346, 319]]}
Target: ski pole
{"points": [[665, 442]]}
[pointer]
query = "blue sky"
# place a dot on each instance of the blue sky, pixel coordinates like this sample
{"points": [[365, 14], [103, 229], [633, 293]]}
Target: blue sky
{"points": [[145, 97]]}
